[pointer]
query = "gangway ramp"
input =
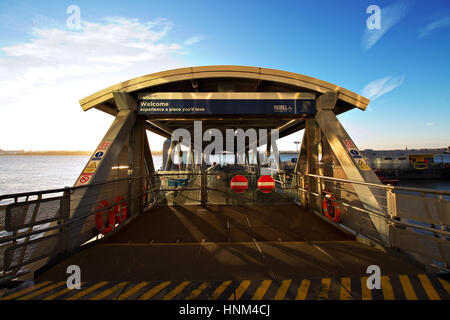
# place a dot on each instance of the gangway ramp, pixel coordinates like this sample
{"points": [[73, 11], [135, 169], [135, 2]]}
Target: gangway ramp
{"points": [[189, 225], [216, 243]]}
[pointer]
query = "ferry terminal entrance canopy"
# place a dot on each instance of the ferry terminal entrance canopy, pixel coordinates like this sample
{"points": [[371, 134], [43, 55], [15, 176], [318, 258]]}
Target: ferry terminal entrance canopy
{"points": [[235, 97], [273, 99]]}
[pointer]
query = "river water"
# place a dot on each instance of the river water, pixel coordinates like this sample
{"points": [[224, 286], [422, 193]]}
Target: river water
{"points": [[32, 173]]}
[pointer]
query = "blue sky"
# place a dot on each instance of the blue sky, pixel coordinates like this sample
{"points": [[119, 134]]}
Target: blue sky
{"points": [[45, 67]]}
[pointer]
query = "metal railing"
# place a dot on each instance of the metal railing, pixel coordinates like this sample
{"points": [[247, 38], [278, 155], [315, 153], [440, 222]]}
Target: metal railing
{"points": [[37, 226], [418, 219]]}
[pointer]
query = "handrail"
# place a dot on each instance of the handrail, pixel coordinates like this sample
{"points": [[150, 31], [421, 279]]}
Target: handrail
{"points": [[387, 218], [50, 191], [422, 190]]}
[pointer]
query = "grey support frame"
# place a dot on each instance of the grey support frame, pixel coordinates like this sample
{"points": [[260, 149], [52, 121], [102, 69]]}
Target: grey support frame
{"points": [[326, 127], [126, 127]]}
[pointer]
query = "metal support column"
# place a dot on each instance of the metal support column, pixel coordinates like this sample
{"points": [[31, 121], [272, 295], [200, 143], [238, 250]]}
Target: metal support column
{"points": [[339, 140], [137, 169], [312, 138], [110, 146]]}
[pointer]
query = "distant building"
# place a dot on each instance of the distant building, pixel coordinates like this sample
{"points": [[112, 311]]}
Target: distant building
{"points": [[402, 159]]}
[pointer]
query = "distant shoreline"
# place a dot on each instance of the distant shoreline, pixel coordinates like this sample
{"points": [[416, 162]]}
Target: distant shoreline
{"points": [[54, 153]]}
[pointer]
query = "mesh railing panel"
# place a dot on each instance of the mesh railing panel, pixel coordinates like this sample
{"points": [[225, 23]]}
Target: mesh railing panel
{"points": [[24, 253], [25, 214]]}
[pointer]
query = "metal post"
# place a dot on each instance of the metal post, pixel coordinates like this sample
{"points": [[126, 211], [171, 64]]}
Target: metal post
{"points": [[204, 193], [391, 203], [168, 164], [136, 158], [312, 163], [339, 141]]}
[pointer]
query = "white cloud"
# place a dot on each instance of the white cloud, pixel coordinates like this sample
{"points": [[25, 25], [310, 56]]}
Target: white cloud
{"points": [[43, 78], [430, 124], [379, 87], [390, 16], [193, 40], [106, 47], [440, 23]]}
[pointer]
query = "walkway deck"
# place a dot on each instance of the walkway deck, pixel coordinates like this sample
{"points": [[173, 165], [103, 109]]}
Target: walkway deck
{"points": [[227, 243]]}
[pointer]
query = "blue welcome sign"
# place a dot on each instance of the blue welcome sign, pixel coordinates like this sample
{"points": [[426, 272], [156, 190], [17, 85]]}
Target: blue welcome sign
{"points": [[227, 103]]}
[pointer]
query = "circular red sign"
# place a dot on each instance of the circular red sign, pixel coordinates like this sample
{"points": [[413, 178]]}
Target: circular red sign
{"points": [[266, 184], [239, 184]]}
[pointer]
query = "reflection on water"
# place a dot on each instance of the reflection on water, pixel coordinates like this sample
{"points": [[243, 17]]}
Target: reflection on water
{"points": [[32, 173], [438, 184]]}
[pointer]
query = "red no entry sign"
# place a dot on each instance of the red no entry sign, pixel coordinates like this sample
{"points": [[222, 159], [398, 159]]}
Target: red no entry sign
{"points": [[239, 184], [266, 184]]}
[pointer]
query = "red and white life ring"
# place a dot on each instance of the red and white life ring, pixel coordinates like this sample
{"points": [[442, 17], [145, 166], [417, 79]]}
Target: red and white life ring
{"points": [[99, 218], [331, 207]]}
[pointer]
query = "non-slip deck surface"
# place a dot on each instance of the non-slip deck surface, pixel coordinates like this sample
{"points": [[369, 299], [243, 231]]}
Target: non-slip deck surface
{"points": [[401, 287], [220, 243]]}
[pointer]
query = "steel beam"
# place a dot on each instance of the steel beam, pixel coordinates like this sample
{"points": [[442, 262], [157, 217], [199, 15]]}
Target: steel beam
{"points": [[137, 167], [111, 145], [313, 137], [337, 138]]}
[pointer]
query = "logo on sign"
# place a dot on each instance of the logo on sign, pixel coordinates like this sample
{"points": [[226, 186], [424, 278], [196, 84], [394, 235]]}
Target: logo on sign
{"points": [[282, 108], [98, 155], [355, 153]]}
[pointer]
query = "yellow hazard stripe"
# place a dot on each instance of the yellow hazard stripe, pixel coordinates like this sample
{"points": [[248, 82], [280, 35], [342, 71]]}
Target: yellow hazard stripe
{"points": [[109, 291], [132, 291], [196, 292], [302, 291], [25, 291], [445, 284], [42, 291], [87, 291], [220, 289], [366, 293], [388, 292], [60, 293], [407, 287], [262, 289], [324, 288], [176, 291], [240, 290], [428, 287], [281, 293], [154, 291], [345, 289]]}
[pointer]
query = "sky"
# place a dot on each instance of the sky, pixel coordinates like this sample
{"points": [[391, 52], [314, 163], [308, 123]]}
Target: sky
{"points": [[398, 59]]}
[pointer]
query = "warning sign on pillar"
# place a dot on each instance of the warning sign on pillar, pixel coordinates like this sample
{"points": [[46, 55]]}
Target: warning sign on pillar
{"points": [[349, 144], [103, 146], [239, 184], [363, 165], [266, 184], [84, 179], [91, 167]]}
